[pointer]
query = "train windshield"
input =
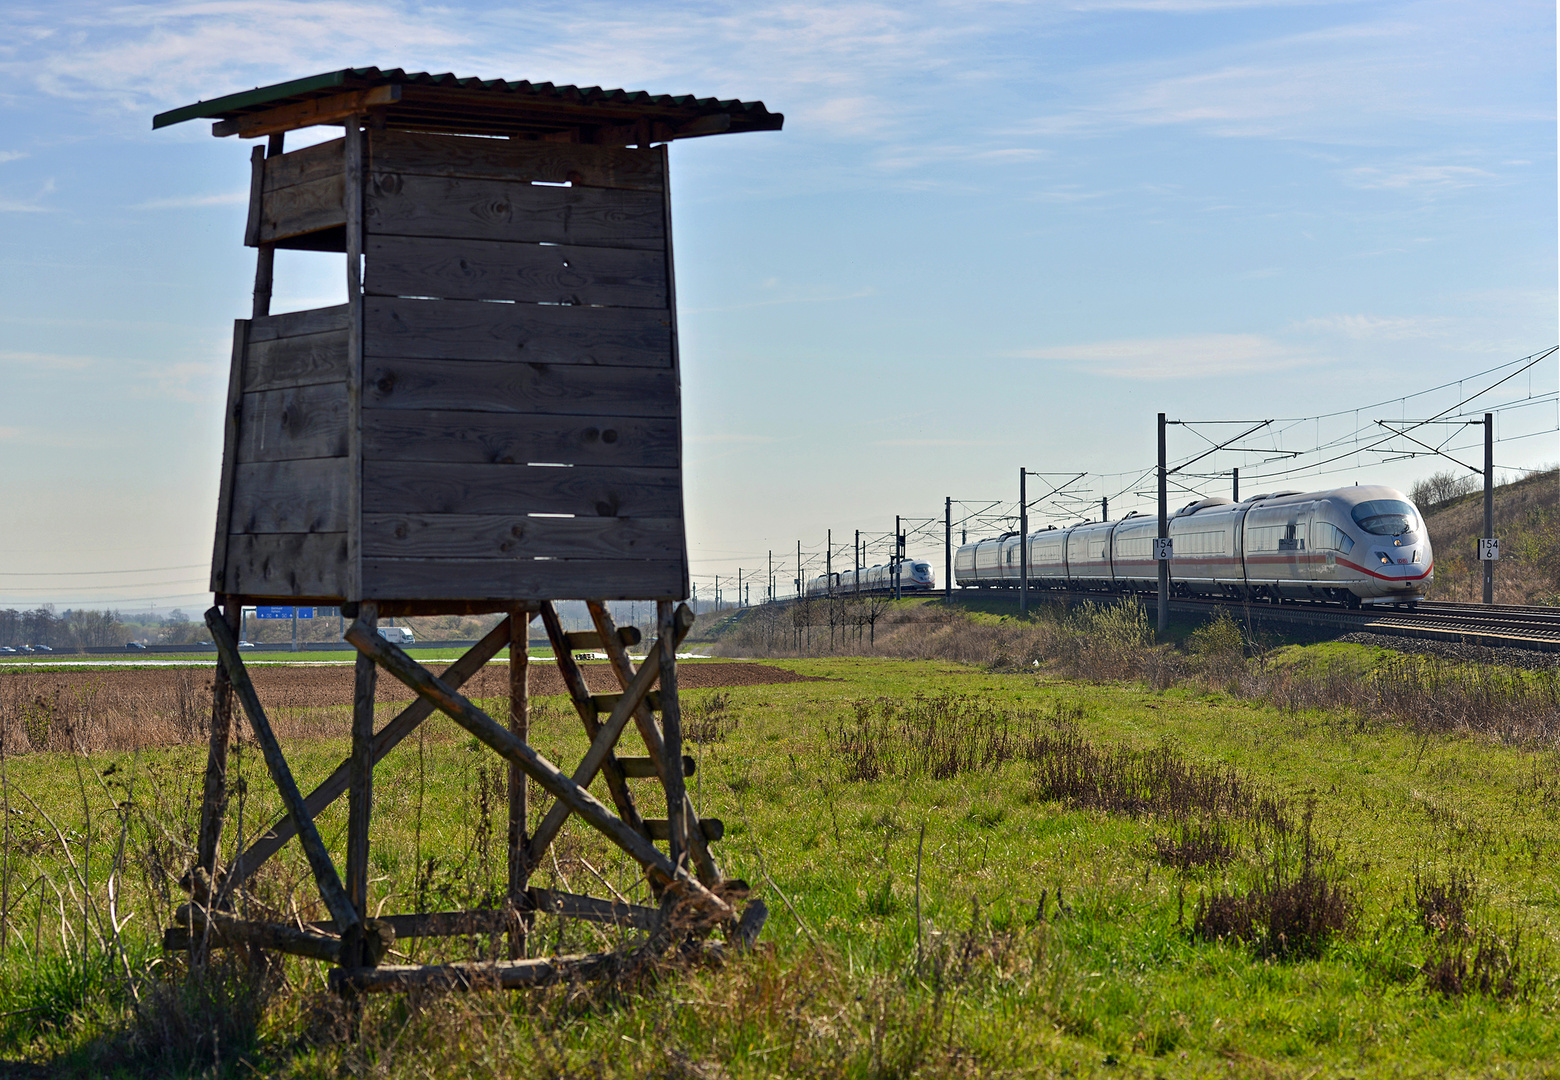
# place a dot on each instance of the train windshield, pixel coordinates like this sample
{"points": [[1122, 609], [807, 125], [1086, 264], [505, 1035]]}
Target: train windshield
{"points": [[1385, 517]]}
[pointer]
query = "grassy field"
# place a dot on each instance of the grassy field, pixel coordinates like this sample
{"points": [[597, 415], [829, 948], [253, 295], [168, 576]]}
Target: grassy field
{"points": [[970, 873]]}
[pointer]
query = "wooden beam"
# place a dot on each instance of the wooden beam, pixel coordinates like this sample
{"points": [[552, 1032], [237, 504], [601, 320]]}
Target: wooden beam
{"points": [[549, 776], [333, 109], [360, 785], [214, 794], [713, 828], [519, 804], [576, 640], [271, 841], [636, 768], [223, 929], [325, 876], [505, 975]]}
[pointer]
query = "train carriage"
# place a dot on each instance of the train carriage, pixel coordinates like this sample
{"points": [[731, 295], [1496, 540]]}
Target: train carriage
{"points": [[1356, 545]]}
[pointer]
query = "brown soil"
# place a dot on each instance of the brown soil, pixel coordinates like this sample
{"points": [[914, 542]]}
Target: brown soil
{"points": [[120, 709]]}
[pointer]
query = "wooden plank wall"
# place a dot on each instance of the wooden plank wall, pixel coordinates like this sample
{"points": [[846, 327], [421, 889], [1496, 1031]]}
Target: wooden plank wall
{"points": [[520, 423], [301, 201], [286, 500]]}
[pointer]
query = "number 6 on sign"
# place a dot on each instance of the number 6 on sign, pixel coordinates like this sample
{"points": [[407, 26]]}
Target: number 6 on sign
{"points": [[1489, 549], [1162, 548]]}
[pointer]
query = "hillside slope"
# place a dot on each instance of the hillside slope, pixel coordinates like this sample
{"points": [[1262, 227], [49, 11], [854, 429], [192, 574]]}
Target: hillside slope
{"points": [[1527, 520]]}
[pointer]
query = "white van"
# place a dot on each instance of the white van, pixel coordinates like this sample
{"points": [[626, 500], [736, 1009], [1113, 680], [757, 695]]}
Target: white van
{"points": [[397, 635]]}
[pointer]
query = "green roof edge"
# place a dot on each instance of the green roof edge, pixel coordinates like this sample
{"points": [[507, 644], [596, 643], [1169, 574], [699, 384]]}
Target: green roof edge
{"points": [[258, 96]]}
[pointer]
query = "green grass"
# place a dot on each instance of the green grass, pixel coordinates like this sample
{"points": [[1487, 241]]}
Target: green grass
{"points": [[1116, 986]]}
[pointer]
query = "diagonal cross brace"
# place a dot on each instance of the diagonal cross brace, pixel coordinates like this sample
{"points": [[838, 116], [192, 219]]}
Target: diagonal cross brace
{"points": [[389, 736], [544, 772], [606, 738], [324, 870]]}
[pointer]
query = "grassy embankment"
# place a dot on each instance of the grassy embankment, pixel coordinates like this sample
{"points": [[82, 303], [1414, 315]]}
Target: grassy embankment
{"points": [[1527, 520], [906, 821]]}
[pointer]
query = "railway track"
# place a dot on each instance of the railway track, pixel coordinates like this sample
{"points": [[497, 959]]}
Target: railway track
{"points": [[1494, 626]]}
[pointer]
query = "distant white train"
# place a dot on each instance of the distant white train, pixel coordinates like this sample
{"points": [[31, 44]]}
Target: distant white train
{"points": [[914, 577], [1354, 545]]}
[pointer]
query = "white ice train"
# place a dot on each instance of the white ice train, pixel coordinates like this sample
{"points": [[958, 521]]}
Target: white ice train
{"points": [[1353, 545], [914, 578]]}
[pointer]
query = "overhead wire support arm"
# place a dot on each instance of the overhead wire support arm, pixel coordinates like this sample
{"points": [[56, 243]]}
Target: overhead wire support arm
{"points": [[1214, 449]]}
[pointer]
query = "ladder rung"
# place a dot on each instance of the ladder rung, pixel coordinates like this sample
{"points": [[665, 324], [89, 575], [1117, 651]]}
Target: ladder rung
{"points": [[589, 639], [605, 703], [714, 828], [640, 767]]}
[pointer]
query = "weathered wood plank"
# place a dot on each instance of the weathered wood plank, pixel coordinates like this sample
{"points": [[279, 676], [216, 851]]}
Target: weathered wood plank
{"points": [[360, 791], [505, 159], [306, 496], [226, 930], [605, 703], [301, 360], [298, 422], [518, 929], [643, 768], [230, 441], [287, 565], [500, 974], [506, 439], [303, 208], [591, 909], [536, 333], [576, 640], [551, 579], [660, 829], [438, 488], [303, 166], [535, 389], [525, 273], [410, 205], [513, 536], [295, 323]]}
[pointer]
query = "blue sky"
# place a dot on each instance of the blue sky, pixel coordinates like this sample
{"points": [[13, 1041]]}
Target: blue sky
{"points": [[991, 235]]}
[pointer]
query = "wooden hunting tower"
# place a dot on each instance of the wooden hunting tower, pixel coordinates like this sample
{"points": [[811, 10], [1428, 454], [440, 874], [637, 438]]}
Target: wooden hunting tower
{"points": [[490, 423]]}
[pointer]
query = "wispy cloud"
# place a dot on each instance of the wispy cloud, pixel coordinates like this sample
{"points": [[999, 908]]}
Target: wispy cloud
{"points": [[188, 202], [47, 361], [726, 439], [1419, 177], [192, 382], [936, 442], [1193, 356], [1374, 327], [11, 155], [34, 205]]}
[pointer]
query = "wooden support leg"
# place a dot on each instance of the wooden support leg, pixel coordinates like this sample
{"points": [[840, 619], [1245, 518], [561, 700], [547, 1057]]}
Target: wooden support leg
{"points": [[579, 693], [520, 727], [324, 871], [360, 789], [213, 804], [698, 847], [671, 732]]}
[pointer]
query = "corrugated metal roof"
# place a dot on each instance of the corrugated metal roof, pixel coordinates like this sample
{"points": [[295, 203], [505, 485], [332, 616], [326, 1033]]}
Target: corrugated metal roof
{"points": [[485, 106]]}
